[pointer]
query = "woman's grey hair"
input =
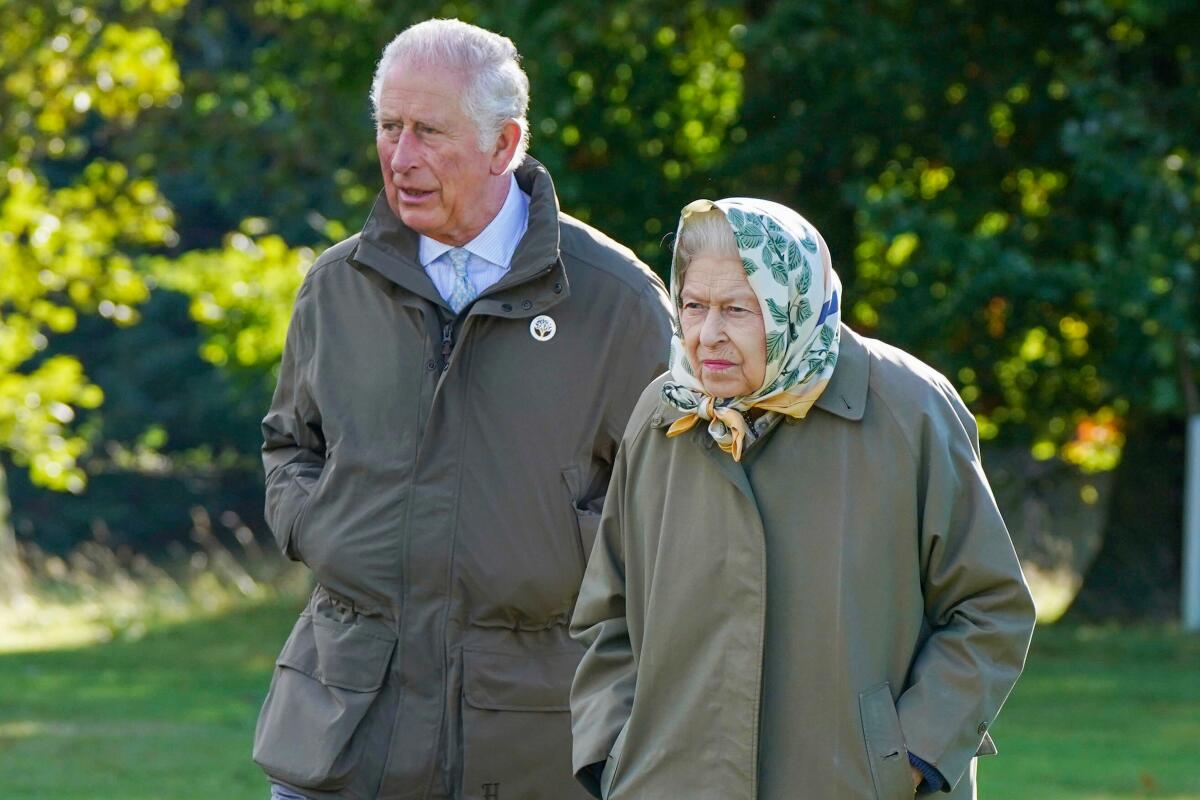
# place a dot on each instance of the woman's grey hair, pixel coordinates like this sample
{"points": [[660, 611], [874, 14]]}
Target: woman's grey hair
{"points": [[497, 89], [703, 233]]}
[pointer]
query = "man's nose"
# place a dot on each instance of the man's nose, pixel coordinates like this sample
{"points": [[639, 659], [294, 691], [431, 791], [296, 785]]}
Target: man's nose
{"points": [[405, 153]]}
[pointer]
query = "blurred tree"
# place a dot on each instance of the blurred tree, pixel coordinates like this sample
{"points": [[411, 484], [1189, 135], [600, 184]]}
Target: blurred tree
{"points": [[1013, 191], [70, 219], [1009, 191]]}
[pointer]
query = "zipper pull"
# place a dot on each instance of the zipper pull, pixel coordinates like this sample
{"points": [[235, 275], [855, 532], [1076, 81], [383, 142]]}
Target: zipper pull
{"points": [[447, 344]]}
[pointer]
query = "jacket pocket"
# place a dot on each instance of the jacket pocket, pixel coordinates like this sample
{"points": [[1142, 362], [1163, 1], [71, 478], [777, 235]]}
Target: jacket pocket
{"points": [[587, 517], [328, 676], [613, 763], [589, 524], [288, 495], [886, 752], [516, 726]]}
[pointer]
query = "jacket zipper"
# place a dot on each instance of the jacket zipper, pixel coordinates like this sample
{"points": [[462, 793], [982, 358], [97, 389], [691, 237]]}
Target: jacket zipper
{"points": [[447, 344]]}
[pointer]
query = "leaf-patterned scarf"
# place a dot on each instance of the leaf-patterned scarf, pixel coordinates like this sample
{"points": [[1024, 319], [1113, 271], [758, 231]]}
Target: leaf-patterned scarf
{"points": [[788, 266]]}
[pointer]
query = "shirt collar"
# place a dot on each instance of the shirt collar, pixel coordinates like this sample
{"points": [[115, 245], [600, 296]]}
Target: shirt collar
{"points": [[495, 243]]}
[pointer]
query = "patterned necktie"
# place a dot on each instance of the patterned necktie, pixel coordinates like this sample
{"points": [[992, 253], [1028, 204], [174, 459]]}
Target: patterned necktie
{"points": [[462, 292]]}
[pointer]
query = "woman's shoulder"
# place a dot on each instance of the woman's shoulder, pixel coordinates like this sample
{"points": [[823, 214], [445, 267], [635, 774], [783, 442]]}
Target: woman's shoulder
{"points": [[908, 385]]}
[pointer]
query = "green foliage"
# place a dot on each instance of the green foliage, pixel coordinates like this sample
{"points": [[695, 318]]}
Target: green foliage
{"points": [[241, 295], [68, 225], [1010, 193]]}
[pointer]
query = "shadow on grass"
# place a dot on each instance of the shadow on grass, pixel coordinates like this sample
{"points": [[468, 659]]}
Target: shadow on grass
{"points": [[168, 715]]}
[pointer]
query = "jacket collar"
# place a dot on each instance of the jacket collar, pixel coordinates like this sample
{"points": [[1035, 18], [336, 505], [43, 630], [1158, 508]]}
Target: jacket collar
{"points": [[535, 281], [845, 396]]}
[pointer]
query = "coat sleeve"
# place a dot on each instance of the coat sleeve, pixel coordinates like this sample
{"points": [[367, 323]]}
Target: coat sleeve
{"points": [[293, 442], [602, 693], [977, 604], [643, 356]]}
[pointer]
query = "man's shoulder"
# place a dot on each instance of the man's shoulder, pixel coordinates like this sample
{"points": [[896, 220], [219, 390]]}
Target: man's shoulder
{"points": [[604, 256], [332, 257], [648, 406]]}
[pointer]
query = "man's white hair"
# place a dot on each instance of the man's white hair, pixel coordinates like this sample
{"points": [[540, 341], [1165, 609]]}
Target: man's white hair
{"points": [[497, 89]]}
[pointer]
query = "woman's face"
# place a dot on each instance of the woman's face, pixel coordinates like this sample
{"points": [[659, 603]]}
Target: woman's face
{"points": [[723, 331]]}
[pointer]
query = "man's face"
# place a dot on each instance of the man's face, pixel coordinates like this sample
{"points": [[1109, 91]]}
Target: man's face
{"points": [[434, 175], [723, 331]]}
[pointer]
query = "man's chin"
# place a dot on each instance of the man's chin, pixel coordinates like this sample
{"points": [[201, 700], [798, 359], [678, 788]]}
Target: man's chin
{"points": [[417, 219]]}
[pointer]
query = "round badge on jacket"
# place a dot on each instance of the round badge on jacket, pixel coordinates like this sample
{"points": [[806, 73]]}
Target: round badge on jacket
{"points": [[542, 328]]}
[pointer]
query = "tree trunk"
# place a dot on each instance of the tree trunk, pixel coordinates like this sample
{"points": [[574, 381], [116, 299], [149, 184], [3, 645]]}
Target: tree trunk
{"points": [[12, 572], [1136, 573]]}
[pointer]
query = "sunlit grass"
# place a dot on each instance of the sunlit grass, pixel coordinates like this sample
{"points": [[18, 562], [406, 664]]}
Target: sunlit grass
{"points": [[96, 595], [164, 705], [168, 714], [1104, 713]]}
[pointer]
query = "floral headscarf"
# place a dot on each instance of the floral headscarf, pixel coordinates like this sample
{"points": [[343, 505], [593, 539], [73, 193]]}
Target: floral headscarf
{"points": [[788, 266]]}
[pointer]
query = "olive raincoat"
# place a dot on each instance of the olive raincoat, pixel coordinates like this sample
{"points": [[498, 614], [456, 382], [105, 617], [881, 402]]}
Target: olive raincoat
{"points": [[441, 476], [792, 625]]}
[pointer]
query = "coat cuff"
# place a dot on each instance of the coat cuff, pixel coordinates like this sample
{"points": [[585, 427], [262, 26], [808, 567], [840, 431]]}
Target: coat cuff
{"points": [[934, 782]]}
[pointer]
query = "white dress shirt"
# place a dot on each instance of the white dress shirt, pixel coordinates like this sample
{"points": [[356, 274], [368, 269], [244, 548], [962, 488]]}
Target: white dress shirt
{"points": [[491, 251]]}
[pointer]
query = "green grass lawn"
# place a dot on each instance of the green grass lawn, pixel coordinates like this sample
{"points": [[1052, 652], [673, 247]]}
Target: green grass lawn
{"points": [[1100, 713]]}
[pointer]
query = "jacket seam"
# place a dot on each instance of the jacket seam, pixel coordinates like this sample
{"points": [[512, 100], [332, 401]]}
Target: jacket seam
{"points": [[895, 418]]}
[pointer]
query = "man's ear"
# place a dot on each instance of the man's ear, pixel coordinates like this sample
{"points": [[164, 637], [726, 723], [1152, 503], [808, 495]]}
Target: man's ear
{"points": [[506, 146]]}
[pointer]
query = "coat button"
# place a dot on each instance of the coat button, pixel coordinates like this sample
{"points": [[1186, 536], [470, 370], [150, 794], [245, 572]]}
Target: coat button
{"points": [[982, 729], [431, 365], [526, 304], [557, 287], [507, 306]]}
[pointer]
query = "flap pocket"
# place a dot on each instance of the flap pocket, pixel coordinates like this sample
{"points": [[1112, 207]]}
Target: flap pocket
{"points": [[507, 682], [311, 729], [347, 656]]}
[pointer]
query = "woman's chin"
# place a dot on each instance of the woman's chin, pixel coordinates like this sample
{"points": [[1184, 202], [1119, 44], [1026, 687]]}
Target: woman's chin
{"points": [[723, 390]]}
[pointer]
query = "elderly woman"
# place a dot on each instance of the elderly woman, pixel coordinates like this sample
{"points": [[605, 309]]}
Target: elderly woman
{"points": [[801, 586]]}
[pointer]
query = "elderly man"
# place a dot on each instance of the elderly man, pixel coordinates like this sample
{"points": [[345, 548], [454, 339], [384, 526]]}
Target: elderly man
{"points": [[455, 383]]}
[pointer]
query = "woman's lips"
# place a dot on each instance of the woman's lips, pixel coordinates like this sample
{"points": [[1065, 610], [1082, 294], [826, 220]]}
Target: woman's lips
{"points": [[716, 365]]}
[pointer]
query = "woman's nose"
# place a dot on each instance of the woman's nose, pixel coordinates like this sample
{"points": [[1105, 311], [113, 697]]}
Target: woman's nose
{"points": [[713, 330]]}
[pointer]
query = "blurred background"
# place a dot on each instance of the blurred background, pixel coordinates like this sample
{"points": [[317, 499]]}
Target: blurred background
{"points": [[1010, 191]]}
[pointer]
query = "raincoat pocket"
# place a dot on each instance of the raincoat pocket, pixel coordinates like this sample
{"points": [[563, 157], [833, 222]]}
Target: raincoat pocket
{"points": [[516, 726], [327, 677], [884, 740], [613, 762]]}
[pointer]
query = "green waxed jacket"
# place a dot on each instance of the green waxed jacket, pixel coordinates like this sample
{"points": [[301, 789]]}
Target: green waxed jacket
{"points": [[442, 477], [795, 624]]}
